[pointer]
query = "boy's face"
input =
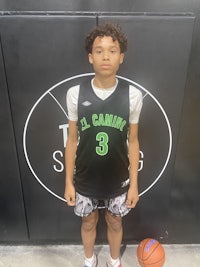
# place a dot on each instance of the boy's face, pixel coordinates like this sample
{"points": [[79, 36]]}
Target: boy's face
{"points": [[106, 56]]}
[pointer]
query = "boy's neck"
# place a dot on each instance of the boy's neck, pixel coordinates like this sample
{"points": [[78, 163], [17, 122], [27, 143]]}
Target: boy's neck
{"points": [[104, 83]]}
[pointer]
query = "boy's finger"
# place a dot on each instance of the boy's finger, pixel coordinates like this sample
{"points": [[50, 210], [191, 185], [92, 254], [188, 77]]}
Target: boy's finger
{"points": [[71, 201]]}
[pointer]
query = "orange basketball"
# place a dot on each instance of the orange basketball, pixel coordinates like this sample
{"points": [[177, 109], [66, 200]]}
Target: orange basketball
{"points": [[150, 253]]}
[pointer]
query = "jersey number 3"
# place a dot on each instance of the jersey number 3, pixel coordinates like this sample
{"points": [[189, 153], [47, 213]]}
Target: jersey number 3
{"points": [[103, 139]]}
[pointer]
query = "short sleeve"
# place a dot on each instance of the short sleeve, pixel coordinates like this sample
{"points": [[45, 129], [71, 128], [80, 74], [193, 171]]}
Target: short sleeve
{"points": [[136, 102], [72, 103]]}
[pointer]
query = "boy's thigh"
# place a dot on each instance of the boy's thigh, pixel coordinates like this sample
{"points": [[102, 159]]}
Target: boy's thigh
{"points": [[85, 206], [117, 206]]}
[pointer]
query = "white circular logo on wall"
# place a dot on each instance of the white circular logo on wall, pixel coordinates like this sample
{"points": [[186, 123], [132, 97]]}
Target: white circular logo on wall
{"points": [[46, 129]]}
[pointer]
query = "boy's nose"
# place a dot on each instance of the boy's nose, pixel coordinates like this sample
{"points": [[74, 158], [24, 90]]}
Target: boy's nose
{"points": [[105, 56]]}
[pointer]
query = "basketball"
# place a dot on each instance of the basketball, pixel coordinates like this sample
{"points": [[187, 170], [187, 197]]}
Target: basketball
{"points": [[150, 253]]}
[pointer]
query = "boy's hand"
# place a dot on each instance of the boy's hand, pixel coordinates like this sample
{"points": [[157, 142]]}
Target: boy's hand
{"points": [[70, 195], [132, 198]]}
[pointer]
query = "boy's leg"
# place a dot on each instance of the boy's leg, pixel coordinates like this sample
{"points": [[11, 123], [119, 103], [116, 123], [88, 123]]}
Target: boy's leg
{"points": [[114, 234], [88, 233]]}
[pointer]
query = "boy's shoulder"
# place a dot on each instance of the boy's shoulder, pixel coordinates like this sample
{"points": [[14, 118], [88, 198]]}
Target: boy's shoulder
{"points": [[135, 91], [74, 88]]}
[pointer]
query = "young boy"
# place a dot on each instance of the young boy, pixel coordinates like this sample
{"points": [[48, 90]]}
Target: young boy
{"points": [[103, 116]]}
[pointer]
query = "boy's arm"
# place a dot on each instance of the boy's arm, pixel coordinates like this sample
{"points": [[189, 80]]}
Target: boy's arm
{"points": [[132, 196], [70, 155]]}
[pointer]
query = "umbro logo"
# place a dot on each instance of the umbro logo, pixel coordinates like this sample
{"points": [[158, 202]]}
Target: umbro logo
{"points": [[86, 103], [125, 183]]}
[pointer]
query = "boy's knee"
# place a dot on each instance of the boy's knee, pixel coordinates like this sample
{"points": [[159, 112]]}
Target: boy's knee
{"points": [[89, 223], [114, 223]]}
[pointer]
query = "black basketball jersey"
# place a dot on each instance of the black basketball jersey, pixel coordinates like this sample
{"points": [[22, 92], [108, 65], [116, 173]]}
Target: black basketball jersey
{"points": [[102, 154]]}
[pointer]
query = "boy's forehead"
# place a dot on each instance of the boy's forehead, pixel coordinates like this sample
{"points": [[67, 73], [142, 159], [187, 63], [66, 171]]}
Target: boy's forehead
{"points": [[105, 40]]}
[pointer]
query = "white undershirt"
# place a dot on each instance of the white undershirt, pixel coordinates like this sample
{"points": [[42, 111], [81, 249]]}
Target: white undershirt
{"points": [[103, 93], [135, 97]]}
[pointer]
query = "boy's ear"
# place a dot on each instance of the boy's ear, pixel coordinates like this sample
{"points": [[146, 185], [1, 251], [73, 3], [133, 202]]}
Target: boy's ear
{"points": [[121, 58], [90, 58]]}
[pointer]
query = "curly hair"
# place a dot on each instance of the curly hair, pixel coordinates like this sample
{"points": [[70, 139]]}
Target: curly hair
{"points": [[106, 29]]}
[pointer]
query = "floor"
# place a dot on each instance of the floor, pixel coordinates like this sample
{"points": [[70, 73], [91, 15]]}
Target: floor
{"points": [[68, 256]]}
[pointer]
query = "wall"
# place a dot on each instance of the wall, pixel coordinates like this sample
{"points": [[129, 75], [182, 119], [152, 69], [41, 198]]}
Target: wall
{"points": [[37, 54]]}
